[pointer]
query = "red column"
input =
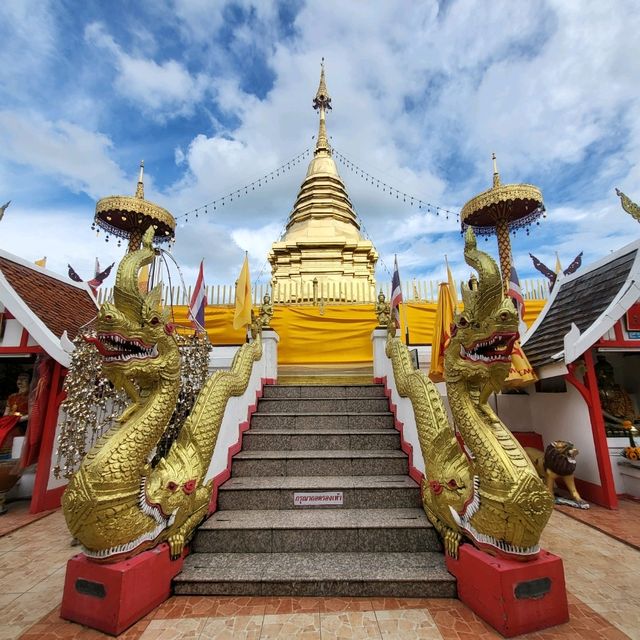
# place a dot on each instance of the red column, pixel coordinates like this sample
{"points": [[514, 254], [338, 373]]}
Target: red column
{"points": [[589, 391]]}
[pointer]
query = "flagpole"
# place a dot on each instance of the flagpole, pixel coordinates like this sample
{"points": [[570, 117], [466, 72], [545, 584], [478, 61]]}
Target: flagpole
{"points": [[406, 324]]}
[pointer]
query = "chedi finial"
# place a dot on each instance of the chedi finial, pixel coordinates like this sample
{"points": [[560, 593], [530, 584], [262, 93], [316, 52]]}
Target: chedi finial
{"points": [[321, 103], [140, 185], [322, 99], [496, 175]]}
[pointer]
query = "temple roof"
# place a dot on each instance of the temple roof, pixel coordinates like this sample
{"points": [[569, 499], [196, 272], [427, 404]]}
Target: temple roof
{"points": [[583, 307], [46, 304]]}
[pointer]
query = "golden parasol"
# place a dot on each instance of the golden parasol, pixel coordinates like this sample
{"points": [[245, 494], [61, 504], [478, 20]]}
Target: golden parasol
{"points": [[503, 208], [130, 216]]}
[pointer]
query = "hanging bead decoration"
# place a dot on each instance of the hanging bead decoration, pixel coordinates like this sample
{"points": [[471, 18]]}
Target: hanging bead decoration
{"points": [[92, 403], [194, 369], [91, 406]]}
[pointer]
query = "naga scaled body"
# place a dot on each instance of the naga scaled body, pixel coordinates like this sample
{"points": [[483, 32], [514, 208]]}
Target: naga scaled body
{"points": [[479, 482], [117, 504]]}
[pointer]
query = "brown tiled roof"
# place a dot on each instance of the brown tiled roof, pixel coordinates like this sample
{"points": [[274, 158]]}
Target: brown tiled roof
{"points": [[580, 300], [60, 306]]}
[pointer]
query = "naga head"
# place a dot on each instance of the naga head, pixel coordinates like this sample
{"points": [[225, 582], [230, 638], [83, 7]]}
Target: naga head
{"points": [[170, 489], [484, 333], [133, 334]]}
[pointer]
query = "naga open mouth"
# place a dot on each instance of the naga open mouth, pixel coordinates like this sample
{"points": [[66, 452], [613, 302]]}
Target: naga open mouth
{"points": [[496, 348], [116, 348], [146, 539], [484, 541]]}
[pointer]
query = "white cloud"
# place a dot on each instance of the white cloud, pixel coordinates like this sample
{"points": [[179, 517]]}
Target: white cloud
{"points": [[422, 93], [77, 157], [64, 236], [164, 89]]}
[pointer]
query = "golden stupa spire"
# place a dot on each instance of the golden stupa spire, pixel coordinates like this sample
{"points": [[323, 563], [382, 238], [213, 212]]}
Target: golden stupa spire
{"points": [[322, 102], [140, 185], [496, 175]]}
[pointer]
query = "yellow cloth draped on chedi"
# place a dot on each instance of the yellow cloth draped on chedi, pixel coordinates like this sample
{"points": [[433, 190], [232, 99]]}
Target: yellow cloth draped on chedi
{"points": [[322, 252]]}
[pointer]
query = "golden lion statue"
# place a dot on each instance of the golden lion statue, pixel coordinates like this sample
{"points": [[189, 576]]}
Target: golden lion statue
{"points": [[558, 460]]}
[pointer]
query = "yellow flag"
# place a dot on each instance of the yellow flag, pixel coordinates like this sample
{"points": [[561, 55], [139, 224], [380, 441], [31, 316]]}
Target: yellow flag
{"points": [[441, 332], [143, 279], [242, 315], [42, 263], [453, 290]]}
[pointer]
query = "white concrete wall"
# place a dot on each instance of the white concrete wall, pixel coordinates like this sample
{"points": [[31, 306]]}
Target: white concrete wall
{"points": [[237, 408], [404, 409], [12, 334], [555, 416]]}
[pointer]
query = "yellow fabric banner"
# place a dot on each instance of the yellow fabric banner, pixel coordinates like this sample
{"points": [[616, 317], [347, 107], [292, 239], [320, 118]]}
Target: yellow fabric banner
{"points": [[441, 331], [339, 334], [242, 315]]}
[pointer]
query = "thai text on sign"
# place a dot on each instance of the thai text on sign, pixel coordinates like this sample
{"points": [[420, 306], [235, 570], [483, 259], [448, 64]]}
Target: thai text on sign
{"points": [[318, 499]]}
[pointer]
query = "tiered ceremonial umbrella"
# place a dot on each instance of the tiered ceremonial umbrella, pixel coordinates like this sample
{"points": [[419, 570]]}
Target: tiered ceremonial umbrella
{"points": [[129, 217], [500, 210]]}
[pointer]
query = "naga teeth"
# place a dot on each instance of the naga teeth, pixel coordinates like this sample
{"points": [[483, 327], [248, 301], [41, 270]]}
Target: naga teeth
{"points": [[463, 521]]}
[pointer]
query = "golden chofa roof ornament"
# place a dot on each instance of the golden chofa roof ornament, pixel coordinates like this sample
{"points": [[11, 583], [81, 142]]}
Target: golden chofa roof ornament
{"points": [[130, 216], [501, 209], [629, 205]]}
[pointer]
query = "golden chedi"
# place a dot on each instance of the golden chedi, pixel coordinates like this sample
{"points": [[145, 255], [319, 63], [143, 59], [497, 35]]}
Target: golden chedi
{"points": [[322, 254]]}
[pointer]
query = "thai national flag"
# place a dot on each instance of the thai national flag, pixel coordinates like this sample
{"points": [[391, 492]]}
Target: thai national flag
{"points": [[396, 293], [198, 300], [516, 293]]}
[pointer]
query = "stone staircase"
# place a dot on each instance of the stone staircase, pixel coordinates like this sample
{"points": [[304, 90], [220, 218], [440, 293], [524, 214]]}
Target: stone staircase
{"points": [[336, 440]]}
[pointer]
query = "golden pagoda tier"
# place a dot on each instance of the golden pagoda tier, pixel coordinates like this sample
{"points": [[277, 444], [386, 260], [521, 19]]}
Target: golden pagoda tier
{"points": [[322, 252]]}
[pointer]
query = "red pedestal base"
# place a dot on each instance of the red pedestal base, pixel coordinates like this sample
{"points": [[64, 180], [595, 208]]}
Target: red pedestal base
{"points": [[513, 597], [112, 597]]}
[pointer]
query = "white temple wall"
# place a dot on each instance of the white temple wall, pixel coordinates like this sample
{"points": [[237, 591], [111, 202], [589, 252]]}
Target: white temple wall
{"points": [[12, 334], [555, 416], [237, 408]]}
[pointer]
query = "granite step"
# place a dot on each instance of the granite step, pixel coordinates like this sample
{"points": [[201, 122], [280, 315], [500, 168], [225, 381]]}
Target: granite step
{"points": [[325, 530], [358, 492], [365, 574], [319, 463], [323, 391], [324, 421], [298, 439], [323, 405]]}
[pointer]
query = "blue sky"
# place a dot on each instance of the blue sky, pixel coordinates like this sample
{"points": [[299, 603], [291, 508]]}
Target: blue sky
{"points": [[213, 95]]}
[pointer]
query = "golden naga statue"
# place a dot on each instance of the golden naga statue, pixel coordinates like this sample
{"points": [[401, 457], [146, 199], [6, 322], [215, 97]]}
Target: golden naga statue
{"points": [[483, 488], [118, 503]]}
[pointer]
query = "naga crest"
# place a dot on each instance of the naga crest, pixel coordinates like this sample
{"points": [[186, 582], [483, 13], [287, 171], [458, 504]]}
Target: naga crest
{"points": [[484, 333], [133, 334]]}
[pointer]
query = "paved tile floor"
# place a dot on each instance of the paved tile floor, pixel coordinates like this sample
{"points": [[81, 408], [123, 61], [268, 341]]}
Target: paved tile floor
{"points": [[601, 574]]}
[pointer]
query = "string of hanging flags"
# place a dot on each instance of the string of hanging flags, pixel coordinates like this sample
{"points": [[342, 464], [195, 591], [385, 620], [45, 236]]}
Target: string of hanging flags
{"points": [[393, 191], [209, 208]]}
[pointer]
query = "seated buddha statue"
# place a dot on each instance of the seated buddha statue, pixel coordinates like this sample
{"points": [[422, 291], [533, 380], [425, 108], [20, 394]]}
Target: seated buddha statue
{"points": [[383, 311], [617, 405], [12, 424], [266, 311]]}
